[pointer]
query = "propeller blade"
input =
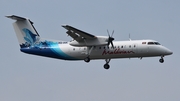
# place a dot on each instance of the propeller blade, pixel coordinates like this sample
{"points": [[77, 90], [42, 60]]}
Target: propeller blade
{"points": [[108, 42], [108, 32], [112, 44], [112, 33]]}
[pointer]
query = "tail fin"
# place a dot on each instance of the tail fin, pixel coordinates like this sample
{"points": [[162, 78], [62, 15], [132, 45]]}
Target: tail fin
{"points": [[25, 31]]}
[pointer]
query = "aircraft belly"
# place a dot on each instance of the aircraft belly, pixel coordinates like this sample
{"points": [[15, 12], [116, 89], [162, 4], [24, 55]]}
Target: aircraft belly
{"points": [[75, 52]]}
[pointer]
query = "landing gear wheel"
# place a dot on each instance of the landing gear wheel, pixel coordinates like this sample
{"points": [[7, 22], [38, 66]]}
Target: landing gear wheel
{"points": [[161, 60], [106, 66], [87, 59]]}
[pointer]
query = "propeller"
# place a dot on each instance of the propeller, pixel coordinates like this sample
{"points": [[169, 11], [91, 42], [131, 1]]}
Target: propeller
{"points": [[110, 39]]}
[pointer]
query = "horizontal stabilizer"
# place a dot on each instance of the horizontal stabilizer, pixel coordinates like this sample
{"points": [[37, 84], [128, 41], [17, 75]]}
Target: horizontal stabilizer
{"points": [[14, 17]]}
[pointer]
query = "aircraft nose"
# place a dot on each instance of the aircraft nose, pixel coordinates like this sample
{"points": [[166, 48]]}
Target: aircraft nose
{"points": [[169, 52]]}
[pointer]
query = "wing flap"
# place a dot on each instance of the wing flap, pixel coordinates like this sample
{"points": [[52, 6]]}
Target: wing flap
{"points": [[74, 36]]}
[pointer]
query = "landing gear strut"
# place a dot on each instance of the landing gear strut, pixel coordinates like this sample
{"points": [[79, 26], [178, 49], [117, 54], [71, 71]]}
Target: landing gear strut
{"points": [[161, 60], [106, 65], [89, 49]]}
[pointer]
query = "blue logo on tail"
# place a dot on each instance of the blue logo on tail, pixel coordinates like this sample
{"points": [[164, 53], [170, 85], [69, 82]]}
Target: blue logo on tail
{"points": [[31, 40]]}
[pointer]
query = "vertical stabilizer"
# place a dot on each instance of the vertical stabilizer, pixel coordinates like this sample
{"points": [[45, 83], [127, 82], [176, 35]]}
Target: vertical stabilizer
{"points": [[25, 31]]}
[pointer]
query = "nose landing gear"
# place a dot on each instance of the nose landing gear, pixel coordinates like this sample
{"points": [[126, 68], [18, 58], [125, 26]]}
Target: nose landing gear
{"points": [[161, 60]]}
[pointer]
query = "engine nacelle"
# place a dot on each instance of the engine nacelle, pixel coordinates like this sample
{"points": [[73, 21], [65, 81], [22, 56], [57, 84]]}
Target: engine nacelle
{"points": [[98, 41]]}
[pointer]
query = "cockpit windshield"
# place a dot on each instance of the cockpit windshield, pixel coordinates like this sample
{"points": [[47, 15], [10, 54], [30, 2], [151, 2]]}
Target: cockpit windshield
{"points": [[157, 43], [153, 43]]}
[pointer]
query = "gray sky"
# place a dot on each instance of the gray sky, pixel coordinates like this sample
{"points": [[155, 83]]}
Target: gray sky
{"points": [[32, 78]]}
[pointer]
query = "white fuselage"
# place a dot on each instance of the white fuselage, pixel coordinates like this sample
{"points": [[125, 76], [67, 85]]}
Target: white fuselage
{"points": [[122, 49]]}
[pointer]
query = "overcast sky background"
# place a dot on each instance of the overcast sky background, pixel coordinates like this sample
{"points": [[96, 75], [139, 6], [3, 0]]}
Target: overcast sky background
{"points": [[32, 78]]}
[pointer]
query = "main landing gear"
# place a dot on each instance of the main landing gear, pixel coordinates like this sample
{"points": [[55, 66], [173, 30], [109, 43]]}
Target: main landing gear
{"points": [[106, 65], [87, 59], [89, 49]]}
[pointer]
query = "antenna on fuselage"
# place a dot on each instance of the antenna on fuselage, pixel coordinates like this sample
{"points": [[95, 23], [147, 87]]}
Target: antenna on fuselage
{"points": [[129, 37]]}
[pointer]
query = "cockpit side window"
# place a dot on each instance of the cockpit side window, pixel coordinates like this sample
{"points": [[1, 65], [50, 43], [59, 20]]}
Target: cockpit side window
{"points": [[150, 43]]}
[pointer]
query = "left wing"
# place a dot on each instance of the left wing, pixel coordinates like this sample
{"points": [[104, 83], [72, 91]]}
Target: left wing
{"points": [[77, 34], [82, 38]]}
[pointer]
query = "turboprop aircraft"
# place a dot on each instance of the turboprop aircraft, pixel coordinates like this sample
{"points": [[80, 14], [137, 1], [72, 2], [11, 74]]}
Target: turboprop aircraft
{"points": [[84, 46]]}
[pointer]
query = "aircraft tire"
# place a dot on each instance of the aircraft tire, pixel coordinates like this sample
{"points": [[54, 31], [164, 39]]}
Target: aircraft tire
{"points": [[87, 59], [106, 66], [161, 60]]}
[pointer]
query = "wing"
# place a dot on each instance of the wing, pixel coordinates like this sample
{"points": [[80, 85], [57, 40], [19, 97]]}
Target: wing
{"points": [[77, 34]]}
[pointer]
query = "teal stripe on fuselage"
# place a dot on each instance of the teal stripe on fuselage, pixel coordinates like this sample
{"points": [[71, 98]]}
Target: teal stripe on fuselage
{"points": [[56, 49], [48, 49]]}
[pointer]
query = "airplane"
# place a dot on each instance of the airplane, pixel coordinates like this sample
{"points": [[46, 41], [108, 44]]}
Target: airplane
{"points": [[83, 46]]}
